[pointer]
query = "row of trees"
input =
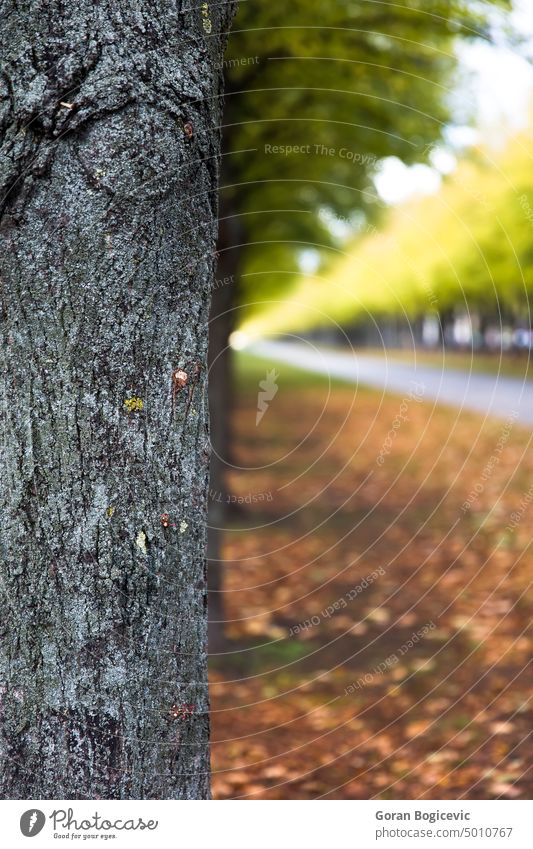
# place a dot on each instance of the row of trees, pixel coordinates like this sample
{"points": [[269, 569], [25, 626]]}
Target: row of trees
{"points": [[313, 103], [466, 249]]}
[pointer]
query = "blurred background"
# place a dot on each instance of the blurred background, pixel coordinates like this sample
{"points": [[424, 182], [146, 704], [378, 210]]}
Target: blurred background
{"points": [[371, 405]]}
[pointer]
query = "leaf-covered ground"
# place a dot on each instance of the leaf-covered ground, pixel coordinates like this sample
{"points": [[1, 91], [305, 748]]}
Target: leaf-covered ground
{"points": [[377, 592]]}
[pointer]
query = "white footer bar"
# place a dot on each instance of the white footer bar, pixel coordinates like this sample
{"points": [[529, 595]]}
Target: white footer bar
{"points": [[262, 825]]}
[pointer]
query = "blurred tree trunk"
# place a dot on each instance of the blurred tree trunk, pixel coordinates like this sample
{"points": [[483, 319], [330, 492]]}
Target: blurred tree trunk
{"points": [[110, 145], [446, 319], [232, 239], [221, 325]]}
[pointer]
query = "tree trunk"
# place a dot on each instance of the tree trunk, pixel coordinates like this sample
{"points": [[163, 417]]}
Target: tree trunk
{"points": [[221, 392], [110, 148]]}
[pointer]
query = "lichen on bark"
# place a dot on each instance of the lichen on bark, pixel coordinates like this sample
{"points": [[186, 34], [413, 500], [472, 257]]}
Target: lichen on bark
{"points": [[108, 227]]}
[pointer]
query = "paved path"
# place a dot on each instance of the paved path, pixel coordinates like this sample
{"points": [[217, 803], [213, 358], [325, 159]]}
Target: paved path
{"points": [[483, 393]]}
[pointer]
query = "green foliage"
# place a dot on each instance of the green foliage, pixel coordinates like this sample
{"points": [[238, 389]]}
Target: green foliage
{"points": [[470, 245], [342, 85]]}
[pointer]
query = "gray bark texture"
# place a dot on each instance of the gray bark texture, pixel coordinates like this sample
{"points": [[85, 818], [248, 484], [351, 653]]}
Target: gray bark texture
{"points": [[109, 119]]}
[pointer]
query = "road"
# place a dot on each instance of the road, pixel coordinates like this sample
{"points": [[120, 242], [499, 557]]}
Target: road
{"points": [[487, 394]]}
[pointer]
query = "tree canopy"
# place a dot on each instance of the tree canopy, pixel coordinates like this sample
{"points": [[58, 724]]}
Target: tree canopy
{"points": [[468, 245], [312, 109]]}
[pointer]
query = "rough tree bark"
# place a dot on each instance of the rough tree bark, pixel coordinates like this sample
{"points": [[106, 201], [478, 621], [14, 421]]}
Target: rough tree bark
{"points": [[110, 143]]}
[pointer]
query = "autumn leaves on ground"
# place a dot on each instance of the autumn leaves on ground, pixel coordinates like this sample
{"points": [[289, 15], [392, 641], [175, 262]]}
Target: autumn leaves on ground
{"points": [[377, 599]]}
